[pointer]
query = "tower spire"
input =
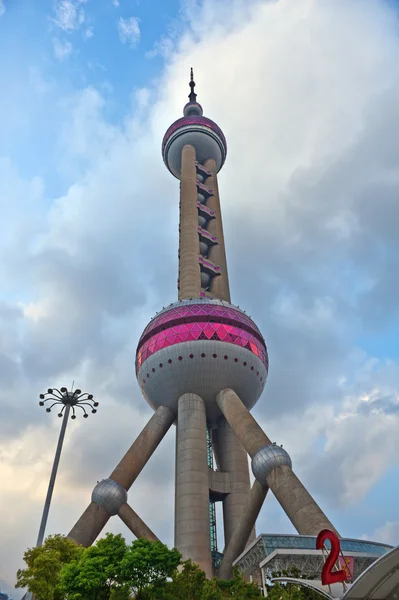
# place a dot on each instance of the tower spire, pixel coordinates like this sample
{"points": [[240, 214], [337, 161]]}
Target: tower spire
{"points": [[192, 96]]}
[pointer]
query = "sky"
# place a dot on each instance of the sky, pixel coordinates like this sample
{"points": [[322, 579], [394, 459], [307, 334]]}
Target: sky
{"points": [[307, 94]]}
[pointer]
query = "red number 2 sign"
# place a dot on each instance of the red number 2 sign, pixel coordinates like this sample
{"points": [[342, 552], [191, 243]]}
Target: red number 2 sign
{"points": [[327, 574]]}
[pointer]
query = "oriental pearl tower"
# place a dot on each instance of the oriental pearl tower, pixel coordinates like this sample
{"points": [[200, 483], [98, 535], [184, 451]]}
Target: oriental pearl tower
{"points": [[202, 364]]}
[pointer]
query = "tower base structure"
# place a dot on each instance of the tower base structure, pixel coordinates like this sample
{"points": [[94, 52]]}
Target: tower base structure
{"points": [[196, 484]]}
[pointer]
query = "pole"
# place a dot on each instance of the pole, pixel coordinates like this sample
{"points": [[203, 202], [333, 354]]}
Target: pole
{"points": [[53, 475]]}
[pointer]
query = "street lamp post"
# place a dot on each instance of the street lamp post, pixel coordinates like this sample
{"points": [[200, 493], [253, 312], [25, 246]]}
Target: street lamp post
{"points": [[69, 402]]}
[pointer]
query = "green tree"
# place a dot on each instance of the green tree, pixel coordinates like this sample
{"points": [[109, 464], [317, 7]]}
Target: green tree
{"points": [[96, 573], [291, 591], [147, 566], [211, 590], [238, 588], [44, 564], [186, 584]]}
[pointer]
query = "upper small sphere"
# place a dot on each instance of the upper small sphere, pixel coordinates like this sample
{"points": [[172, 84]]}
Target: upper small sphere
{"points": [[193, 108], [198, 131]]}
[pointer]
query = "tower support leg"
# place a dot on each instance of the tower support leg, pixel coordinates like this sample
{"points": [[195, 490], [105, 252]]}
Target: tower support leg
{"points": [[192, 523], [245, 525], [233, 459], [302, 510], [95, 517], [135, 524]]}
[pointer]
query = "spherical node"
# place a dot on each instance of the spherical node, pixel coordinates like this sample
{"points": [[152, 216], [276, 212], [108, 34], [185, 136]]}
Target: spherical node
{"points": [[204, 248], [205, 280], [193, 108], [268, 458], [110, 495], [222, 335]]}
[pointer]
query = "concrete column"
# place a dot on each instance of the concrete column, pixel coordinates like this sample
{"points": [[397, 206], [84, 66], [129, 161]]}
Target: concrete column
{"points": [[90, 525], [143, 447], [251, 436], [217, 254], [189, 270], [95, 517], [243, 528], [135, 524], [233, 459], [192, 534], [302, 510]]}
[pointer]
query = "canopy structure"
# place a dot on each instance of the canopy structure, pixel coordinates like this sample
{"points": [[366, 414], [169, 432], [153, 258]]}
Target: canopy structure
{"points": [[380, 581]]}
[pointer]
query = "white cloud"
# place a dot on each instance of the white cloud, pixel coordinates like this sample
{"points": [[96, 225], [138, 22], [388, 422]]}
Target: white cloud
{"points": [[62, 48], [388, 533], [68, 15], [2, 8], [129, 30], [89, 33], [116, 3]]}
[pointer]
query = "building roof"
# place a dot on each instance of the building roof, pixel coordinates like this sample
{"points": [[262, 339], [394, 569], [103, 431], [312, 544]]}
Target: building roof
{"points": [[266, 544], [380, 581]]}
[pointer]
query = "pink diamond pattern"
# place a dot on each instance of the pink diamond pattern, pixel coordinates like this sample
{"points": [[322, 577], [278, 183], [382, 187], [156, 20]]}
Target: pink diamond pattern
{"points": [[200, 330]]}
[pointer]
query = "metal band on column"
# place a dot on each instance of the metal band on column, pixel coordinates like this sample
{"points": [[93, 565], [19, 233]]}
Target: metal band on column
{"points": [[304, 513]]}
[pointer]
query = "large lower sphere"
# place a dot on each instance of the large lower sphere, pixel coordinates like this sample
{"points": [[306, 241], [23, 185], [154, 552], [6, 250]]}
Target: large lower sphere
{"points": [[201, 346]]}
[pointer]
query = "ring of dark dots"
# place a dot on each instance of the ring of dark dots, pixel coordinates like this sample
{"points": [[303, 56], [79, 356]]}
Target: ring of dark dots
{"points": [[203, 355]]}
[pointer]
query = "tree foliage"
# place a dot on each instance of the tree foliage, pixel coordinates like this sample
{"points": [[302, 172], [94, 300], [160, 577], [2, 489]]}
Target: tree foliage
{"points": [[114, 570], [239, 588], [291, 591], [190, 583], [147, 566], [95, 574], [43, 567]]}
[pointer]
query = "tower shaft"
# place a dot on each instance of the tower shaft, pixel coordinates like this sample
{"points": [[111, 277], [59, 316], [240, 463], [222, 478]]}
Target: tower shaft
{"points": [[189, 269]]}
